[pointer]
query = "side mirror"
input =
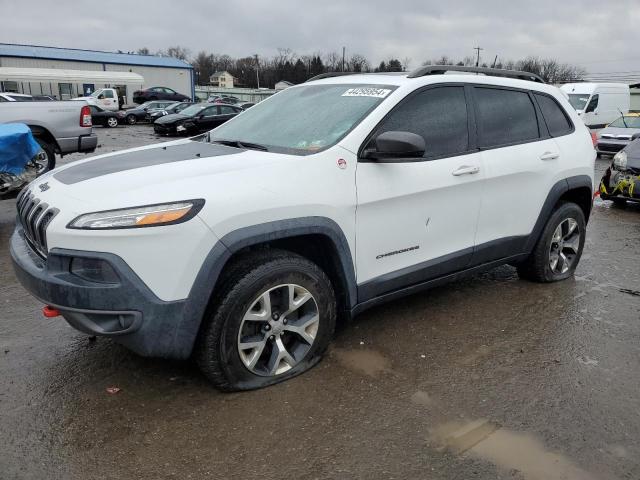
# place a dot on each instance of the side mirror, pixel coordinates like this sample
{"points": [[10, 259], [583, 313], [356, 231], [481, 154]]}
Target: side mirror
{"points": [[390, 146]]}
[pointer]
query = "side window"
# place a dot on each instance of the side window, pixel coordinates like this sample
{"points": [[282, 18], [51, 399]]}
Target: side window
{"points": [[554, 116], [439, 115], [593, 104], [226, 110], [208, 112], [2, 99], [505, 117], [108, 94]]}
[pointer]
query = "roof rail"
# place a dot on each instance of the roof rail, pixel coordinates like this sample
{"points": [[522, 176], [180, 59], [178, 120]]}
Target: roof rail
{"points": [[494, 72], [331, 74]]}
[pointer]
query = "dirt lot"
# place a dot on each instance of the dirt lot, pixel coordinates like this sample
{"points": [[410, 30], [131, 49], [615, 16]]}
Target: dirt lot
{"points": [[492, 377]]}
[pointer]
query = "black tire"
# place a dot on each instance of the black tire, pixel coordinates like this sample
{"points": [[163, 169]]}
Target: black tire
{"points": [[216, 349], [619, 202], [537, 266], [51, 155], [131, 119]]}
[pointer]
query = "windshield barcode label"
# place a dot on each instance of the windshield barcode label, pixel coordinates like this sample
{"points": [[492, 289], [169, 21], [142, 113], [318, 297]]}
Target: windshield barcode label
{"points": [[367, 92]]}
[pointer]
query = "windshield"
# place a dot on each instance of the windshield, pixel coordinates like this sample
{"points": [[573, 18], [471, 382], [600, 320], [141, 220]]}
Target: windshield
{"points": [[631, 122], [303, 120], [193, 109], [578, 100]]}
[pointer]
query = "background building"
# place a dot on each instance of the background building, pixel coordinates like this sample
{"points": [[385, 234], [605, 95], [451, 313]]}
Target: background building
{"points": [[67, 72], [222, 80]]}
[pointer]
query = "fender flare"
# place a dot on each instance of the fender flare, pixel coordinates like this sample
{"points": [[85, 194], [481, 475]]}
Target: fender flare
{"points": [[207, 278], [555, 193]]}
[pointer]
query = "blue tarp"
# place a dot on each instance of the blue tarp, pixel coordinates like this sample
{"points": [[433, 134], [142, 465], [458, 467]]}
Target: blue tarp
{"points": [[17, 147]]}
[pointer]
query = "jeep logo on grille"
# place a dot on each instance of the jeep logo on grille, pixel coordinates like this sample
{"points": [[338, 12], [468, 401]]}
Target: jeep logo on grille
{"points": [[44, 187]]}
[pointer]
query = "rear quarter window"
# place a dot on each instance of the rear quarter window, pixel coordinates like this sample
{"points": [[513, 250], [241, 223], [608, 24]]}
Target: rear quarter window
{"points": [[505, 117], [554, 115]]}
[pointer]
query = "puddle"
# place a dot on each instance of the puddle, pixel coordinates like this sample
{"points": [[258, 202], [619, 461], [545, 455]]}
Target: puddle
{"points": [[369, 362], [508, 450]]}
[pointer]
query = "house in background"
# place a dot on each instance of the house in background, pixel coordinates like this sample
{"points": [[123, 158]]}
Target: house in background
{"points": [[282, 84], [222, 79]]}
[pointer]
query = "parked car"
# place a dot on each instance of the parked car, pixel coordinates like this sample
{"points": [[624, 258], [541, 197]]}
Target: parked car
{"points": [[618, 134], [245, 105], [22, 159], [228, 99], [598, 103], [44, 98], [153, 115], [195, 119], [15, 97], [139, 113], [104, 118], [621, 181], [158, 93], [239, 247], [61, 127]]}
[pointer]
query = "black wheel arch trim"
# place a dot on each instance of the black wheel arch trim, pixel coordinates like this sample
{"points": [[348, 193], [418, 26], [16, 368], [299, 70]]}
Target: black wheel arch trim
{"points": [[204, 285]]}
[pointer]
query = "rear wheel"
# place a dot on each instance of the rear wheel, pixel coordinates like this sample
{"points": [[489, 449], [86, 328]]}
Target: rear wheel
{"points": [[132, 119], [559, 248], [112, 122], [49, 162], [274, 319]]}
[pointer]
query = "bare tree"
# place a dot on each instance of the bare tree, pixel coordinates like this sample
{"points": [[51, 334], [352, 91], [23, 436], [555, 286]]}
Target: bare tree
{"points": [[143, 51], [179, 52]]}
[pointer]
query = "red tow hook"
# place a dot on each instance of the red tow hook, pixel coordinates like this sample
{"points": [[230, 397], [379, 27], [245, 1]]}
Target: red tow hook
{"points": [[50, 312]]}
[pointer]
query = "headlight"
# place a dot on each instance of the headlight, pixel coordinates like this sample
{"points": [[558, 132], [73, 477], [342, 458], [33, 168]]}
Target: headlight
{"points": [[620, 160], [137, 217]]}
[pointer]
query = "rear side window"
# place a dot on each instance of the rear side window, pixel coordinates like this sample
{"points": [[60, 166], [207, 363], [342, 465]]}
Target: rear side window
{"points": [[505, 117], [554, 116], [439, 115]]}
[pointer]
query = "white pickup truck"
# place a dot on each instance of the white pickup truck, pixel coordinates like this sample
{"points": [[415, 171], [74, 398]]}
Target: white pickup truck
{"points": [[60, 127], [105, 98]]}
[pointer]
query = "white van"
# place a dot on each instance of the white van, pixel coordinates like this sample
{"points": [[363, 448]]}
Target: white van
{"points": [[598, 104]]}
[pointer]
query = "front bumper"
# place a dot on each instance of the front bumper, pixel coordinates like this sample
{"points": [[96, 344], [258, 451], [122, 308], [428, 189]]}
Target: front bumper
{"points": [[125, 309], [620, 184]]}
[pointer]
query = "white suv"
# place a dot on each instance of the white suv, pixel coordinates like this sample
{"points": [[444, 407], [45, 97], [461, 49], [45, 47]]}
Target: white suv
{"points": [[243, 246]]}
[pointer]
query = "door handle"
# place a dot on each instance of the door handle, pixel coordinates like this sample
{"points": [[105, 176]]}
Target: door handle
{"points": [[465, 170], [549, 156]]}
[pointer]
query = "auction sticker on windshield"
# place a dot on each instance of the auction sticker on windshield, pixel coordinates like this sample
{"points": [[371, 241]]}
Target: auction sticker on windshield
{"points": [[367, 92]]}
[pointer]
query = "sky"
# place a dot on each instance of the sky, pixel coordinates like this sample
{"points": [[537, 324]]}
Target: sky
{"points": [[598, 35]]}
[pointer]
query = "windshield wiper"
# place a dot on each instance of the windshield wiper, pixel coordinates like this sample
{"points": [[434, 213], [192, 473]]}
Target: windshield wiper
{"points": [[241, 144], [623, 121]]}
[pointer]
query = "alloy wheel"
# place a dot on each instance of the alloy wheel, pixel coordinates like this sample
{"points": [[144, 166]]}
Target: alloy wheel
{"points": [[278, 330], [565, 244], [112, 122]]}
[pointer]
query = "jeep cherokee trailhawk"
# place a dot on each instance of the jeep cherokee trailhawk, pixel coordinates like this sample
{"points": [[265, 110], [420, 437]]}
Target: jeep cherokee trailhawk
{"points": [[243, 246]]}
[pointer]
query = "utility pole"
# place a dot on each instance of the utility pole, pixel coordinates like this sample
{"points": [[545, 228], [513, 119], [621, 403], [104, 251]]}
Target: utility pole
{"points": [[257, 69], [343, 50], [478, 57], [495, 61]]}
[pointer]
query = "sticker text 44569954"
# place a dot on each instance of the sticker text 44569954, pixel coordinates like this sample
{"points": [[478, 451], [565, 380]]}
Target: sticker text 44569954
{"points": [[367, 92]]}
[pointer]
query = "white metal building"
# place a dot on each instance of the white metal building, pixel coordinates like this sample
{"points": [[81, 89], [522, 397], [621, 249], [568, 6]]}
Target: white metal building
{"points": [[67, 73]]}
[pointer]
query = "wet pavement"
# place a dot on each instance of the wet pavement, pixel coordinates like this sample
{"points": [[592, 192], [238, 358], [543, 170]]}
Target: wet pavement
{"points": [[491, 377]]}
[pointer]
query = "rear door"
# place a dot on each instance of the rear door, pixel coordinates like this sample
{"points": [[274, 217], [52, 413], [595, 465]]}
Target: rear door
{"points": [[208, 118], [520, 161], [416, 218]]}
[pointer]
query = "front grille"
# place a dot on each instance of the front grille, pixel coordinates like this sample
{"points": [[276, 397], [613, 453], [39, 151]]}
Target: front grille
{"points": [[35, 216]]}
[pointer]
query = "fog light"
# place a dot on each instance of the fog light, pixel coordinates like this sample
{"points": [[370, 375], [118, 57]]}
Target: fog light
{"points": [[94, 270]]}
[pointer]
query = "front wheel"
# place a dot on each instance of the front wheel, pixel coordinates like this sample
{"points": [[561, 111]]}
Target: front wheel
{"points": [[274, 319], [559, 248], [112, 122], [131, 119]]}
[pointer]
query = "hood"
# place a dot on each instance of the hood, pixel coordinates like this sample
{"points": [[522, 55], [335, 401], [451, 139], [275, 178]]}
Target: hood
{"points": [[152, 174], [618, 133], [171, 118], [633, 154]]}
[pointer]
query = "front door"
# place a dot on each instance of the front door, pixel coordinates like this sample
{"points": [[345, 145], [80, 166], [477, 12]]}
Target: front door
{"points": [[416, 219]]}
